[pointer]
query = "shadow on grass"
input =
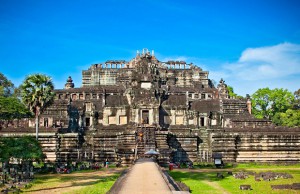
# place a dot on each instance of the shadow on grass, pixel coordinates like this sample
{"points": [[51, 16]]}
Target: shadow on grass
{"points": [[199, 176], [199, 182], [94, 180], [212, 176]]}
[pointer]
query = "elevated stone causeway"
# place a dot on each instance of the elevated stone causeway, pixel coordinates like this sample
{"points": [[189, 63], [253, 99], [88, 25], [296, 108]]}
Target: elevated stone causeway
{"points": [[144, 177]]}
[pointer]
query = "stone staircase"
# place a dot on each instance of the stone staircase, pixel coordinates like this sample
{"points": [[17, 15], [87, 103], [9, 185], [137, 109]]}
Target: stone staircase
{"points": [[145, 140]]}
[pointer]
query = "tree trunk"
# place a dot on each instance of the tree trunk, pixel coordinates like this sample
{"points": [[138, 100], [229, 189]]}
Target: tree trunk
{"points": [[37, 114], [37, 127]]}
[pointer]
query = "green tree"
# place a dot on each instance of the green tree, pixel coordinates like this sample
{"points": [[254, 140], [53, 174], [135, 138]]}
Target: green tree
{"points": [[290, 118], [232, 94], [266, 102], [12, 108], [37, 93], [24, 148], [297, 99], [6, 86]]}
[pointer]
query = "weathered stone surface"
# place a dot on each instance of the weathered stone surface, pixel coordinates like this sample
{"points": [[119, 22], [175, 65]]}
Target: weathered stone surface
{"points": [[245, 187], [125, 108]]}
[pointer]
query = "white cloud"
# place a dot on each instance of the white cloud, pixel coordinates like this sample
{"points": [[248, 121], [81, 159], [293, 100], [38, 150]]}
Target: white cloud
{"points": [[271, 66], [267, 62]]}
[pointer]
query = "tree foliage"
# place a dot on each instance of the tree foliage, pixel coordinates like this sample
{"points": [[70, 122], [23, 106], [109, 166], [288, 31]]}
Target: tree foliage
{"points": [[297, 99], [6, 86], [10, 106], [22, 148], [289, 118], [37, 93], [232, 94], [266, 102]]}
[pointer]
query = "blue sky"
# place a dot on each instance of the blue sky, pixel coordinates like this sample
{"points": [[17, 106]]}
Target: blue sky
{"points": [[251, 44]]}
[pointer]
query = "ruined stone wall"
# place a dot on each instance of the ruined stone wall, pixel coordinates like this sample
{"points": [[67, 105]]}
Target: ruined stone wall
{"points": [[259, 145]]}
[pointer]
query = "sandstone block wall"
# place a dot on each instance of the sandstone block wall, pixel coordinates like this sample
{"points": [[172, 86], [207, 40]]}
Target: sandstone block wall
{"points": [[260, 145]]}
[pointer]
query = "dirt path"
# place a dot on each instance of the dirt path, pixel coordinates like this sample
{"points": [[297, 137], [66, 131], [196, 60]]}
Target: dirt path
{"points": [[71, 182], [216, 186]]}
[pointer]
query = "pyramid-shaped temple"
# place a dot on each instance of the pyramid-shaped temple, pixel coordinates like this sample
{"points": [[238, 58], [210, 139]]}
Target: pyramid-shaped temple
{"points": [[126, 108]]}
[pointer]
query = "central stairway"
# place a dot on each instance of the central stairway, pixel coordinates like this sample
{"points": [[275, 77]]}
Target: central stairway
{"points": [[145, 140], [132, 145]]}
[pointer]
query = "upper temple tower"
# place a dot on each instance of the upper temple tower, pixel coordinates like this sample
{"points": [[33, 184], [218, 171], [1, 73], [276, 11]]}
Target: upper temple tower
{"points": [[145, 67], [69, 83]]}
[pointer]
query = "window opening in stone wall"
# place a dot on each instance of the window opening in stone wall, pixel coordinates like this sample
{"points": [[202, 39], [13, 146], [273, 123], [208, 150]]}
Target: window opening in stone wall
{"points": [[87, 122], [80, 96], [202, 96], [74, 97], [45, 122], [202, 121]]}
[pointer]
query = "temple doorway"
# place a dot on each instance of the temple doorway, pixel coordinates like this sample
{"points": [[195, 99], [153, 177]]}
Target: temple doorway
{"points": [[145, 116], [87, 122]]}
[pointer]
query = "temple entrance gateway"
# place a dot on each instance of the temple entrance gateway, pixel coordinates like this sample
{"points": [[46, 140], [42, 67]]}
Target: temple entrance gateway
{"points": [[145, 116]]}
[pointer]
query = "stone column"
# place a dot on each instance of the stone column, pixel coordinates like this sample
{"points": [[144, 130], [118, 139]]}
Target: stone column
{"points": [[151, 116], [249, 105]]}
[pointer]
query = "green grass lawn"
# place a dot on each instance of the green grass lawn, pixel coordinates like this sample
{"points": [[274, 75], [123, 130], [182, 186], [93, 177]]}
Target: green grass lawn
{"points": [[207, 182], [89, 181], [101, 186]]}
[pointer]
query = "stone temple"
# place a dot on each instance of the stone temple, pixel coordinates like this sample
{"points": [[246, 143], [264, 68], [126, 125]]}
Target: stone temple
{"points": [[125, 108]]}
